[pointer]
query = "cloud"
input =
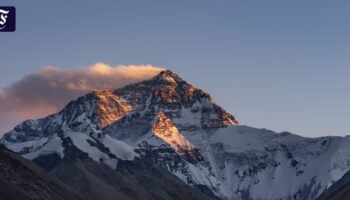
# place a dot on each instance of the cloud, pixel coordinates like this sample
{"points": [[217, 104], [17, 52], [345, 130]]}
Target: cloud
{"points": [[49, 90]]}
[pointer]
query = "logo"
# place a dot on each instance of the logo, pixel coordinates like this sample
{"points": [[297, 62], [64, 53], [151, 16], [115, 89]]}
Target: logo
{"points": [[7, 19]]}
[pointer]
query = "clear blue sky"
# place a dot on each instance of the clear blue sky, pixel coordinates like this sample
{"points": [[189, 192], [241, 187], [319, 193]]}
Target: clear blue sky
{"points": [[282, 65]]}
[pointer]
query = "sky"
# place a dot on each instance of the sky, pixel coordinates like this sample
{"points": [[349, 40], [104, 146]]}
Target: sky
{"points": [[280, 65]]}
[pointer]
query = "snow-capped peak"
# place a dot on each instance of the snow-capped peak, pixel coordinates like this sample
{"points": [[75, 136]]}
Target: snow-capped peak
{"points": [[168, 75], [180, 128]]}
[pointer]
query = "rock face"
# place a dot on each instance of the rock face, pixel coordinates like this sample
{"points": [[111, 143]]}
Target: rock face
{"points": [[22, 180], [110, 108], [180, 129]]}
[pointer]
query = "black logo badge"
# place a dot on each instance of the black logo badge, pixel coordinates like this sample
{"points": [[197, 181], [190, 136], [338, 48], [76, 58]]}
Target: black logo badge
{"points": [[7, 19]]}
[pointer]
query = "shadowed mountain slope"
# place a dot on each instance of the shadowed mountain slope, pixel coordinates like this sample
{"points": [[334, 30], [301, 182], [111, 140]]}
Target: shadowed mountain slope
{"points": [[21, 179]]}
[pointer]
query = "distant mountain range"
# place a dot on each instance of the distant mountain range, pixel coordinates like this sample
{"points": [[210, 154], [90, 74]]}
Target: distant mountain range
{"points": [[164, 138]]}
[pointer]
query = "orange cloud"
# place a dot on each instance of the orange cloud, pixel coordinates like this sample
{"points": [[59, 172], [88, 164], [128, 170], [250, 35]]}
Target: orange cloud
{"points": [[49, 90]]}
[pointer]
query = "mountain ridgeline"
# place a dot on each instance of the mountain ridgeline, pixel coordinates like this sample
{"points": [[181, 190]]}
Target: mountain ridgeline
{"points": [[164, 138]]}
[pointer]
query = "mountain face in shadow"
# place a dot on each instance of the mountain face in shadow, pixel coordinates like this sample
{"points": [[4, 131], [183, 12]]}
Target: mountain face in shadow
{"points": [[21, 179], [339, 190]]}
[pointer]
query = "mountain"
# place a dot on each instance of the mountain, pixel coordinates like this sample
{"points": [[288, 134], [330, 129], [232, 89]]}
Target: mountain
{"points": [[22, 180], [175, 127]]}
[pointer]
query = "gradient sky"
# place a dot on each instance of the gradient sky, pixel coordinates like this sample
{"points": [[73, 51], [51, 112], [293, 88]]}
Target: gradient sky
{"points": [[281, 65]]}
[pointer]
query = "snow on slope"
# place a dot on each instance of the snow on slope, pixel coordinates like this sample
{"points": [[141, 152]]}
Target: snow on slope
{"points": [[83, 142], [251, 159], [119, 148], [53, 145], [166, 130], [31, 145]]}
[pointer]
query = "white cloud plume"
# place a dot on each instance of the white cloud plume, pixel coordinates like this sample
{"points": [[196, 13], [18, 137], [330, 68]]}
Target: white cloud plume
{"points": [[49, 90]]}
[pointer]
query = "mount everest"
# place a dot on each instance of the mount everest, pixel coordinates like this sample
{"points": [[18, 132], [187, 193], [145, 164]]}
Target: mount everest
{"points": [[168, 126]]}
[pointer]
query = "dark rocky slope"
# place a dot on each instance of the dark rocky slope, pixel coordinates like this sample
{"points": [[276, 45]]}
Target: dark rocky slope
{"points": [[20, 179], [339, 191]]}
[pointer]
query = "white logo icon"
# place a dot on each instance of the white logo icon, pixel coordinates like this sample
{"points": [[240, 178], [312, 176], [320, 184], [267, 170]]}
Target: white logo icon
{"points": [[3, 17]]}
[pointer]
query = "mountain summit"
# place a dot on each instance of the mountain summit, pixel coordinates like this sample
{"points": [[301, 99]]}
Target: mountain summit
{"points": [[180, 129]]}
